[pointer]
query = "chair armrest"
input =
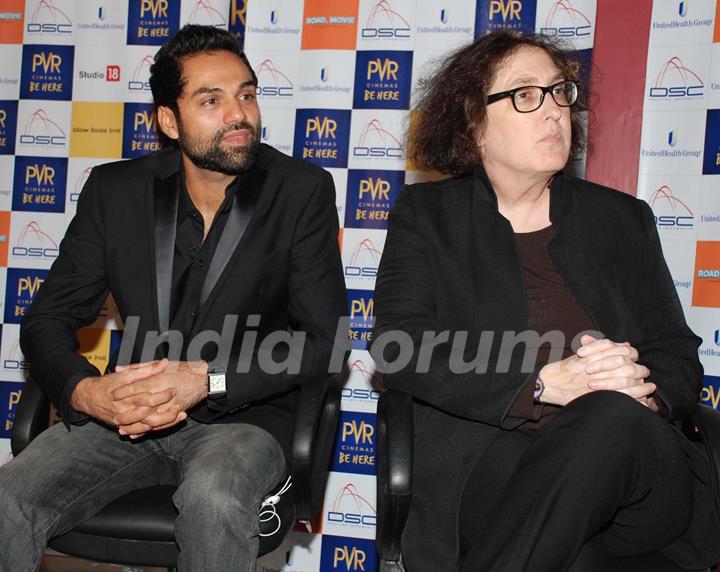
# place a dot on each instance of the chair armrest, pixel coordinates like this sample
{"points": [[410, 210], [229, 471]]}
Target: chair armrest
{"points": [[394, 477], [32, 416], [316, 423], [703, 429]]}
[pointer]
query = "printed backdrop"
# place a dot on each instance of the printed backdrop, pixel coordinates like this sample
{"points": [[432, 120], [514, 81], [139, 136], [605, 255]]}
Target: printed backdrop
{"points": [[680, 162], [336, 81]]}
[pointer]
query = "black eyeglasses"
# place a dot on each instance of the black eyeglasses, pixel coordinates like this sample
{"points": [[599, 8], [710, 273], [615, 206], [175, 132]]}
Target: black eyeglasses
{"points": [[530, 97]]}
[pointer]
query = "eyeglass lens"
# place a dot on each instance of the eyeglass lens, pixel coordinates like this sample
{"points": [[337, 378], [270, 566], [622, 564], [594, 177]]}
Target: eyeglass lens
{"points": [[530, 98]]}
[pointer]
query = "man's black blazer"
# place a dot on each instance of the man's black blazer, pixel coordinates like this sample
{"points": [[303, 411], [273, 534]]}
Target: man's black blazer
{"points": [[285, 266]]}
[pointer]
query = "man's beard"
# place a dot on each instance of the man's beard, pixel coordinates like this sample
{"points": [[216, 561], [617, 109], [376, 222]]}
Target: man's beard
{"points": [[213, 156]]}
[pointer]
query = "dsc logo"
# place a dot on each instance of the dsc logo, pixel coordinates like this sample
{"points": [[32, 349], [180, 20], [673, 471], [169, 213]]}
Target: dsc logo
{"points": [[351, 508], [576, 24], [41, 130], [156, 8], [323, 128], [377, 142], [364, 261], [675, 80], [60, 24], [675, 213], [279, 84], [385, 22]]}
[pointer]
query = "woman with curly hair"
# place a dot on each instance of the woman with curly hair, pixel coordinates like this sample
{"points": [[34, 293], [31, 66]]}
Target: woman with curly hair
{"points": [[567, 440]]}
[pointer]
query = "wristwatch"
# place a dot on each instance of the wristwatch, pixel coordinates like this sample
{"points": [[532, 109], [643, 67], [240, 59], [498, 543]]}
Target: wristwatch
{"points": [[216, 383], [539, 388]]}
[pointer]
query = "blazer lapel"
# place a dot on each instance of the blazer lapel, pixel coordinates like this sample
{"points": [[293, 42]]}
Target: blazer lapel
{"points": [[165, 203], [235, 229]]}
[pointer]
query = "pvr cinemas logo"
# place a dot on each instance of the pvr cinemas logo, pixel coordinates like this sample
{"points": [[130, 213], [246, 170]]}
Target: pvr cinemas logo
{"points": [[509, 10], [144, 120], [321, 131], [140, 134], [362, 308], [28, 286], [48, 62], [361, 433], [357, 445], [361, 318], [710, 395], [348, 559], [377, 189], [19, 298], [155, 9], [385, 70]]}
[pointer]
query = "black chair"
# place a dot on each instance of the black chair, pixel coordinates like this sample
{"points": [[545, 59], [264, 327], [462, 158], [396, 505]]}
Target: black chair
{"points": [[137, 529], [394, 488]]}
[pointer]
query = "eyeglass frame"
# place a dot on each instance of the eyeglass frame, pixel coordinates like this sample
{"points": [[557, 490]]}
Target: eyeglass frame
{"points": [[494, 97]]}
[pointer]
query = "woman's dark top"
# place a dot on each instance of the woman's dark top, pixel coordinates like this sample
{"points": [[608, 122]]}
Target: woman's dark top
{"points": [[551, 307]]}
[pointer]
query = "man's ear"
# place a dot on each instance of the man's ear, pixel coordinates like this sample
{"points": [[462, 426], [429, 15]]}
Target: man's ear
{"points": [[168, 122]]}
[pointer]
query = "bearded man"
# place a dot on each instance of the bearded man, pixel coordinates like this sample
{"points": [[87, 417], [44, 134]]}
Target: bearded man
{"points": [[213, 237]]}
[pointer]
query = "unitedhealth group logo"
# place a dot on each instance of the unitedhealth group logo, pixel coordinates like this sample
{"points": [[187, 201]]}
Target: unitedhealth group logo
{"points": [[673, 145], [385, 22], [273, 83], [675, 80], [682, 14], [670, 211]]}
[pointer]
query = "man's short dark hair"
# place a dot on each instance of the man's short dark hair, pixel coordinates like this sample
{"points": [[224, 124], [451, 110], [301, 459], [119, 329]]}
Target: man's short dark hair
{"points": [[166, 79], [451, 108]]}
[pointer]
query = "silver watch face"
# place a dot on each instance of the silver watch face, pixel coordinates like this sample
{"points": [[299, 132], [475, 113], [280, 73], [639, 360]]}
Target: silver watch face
{"points": [[216, 383]]}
